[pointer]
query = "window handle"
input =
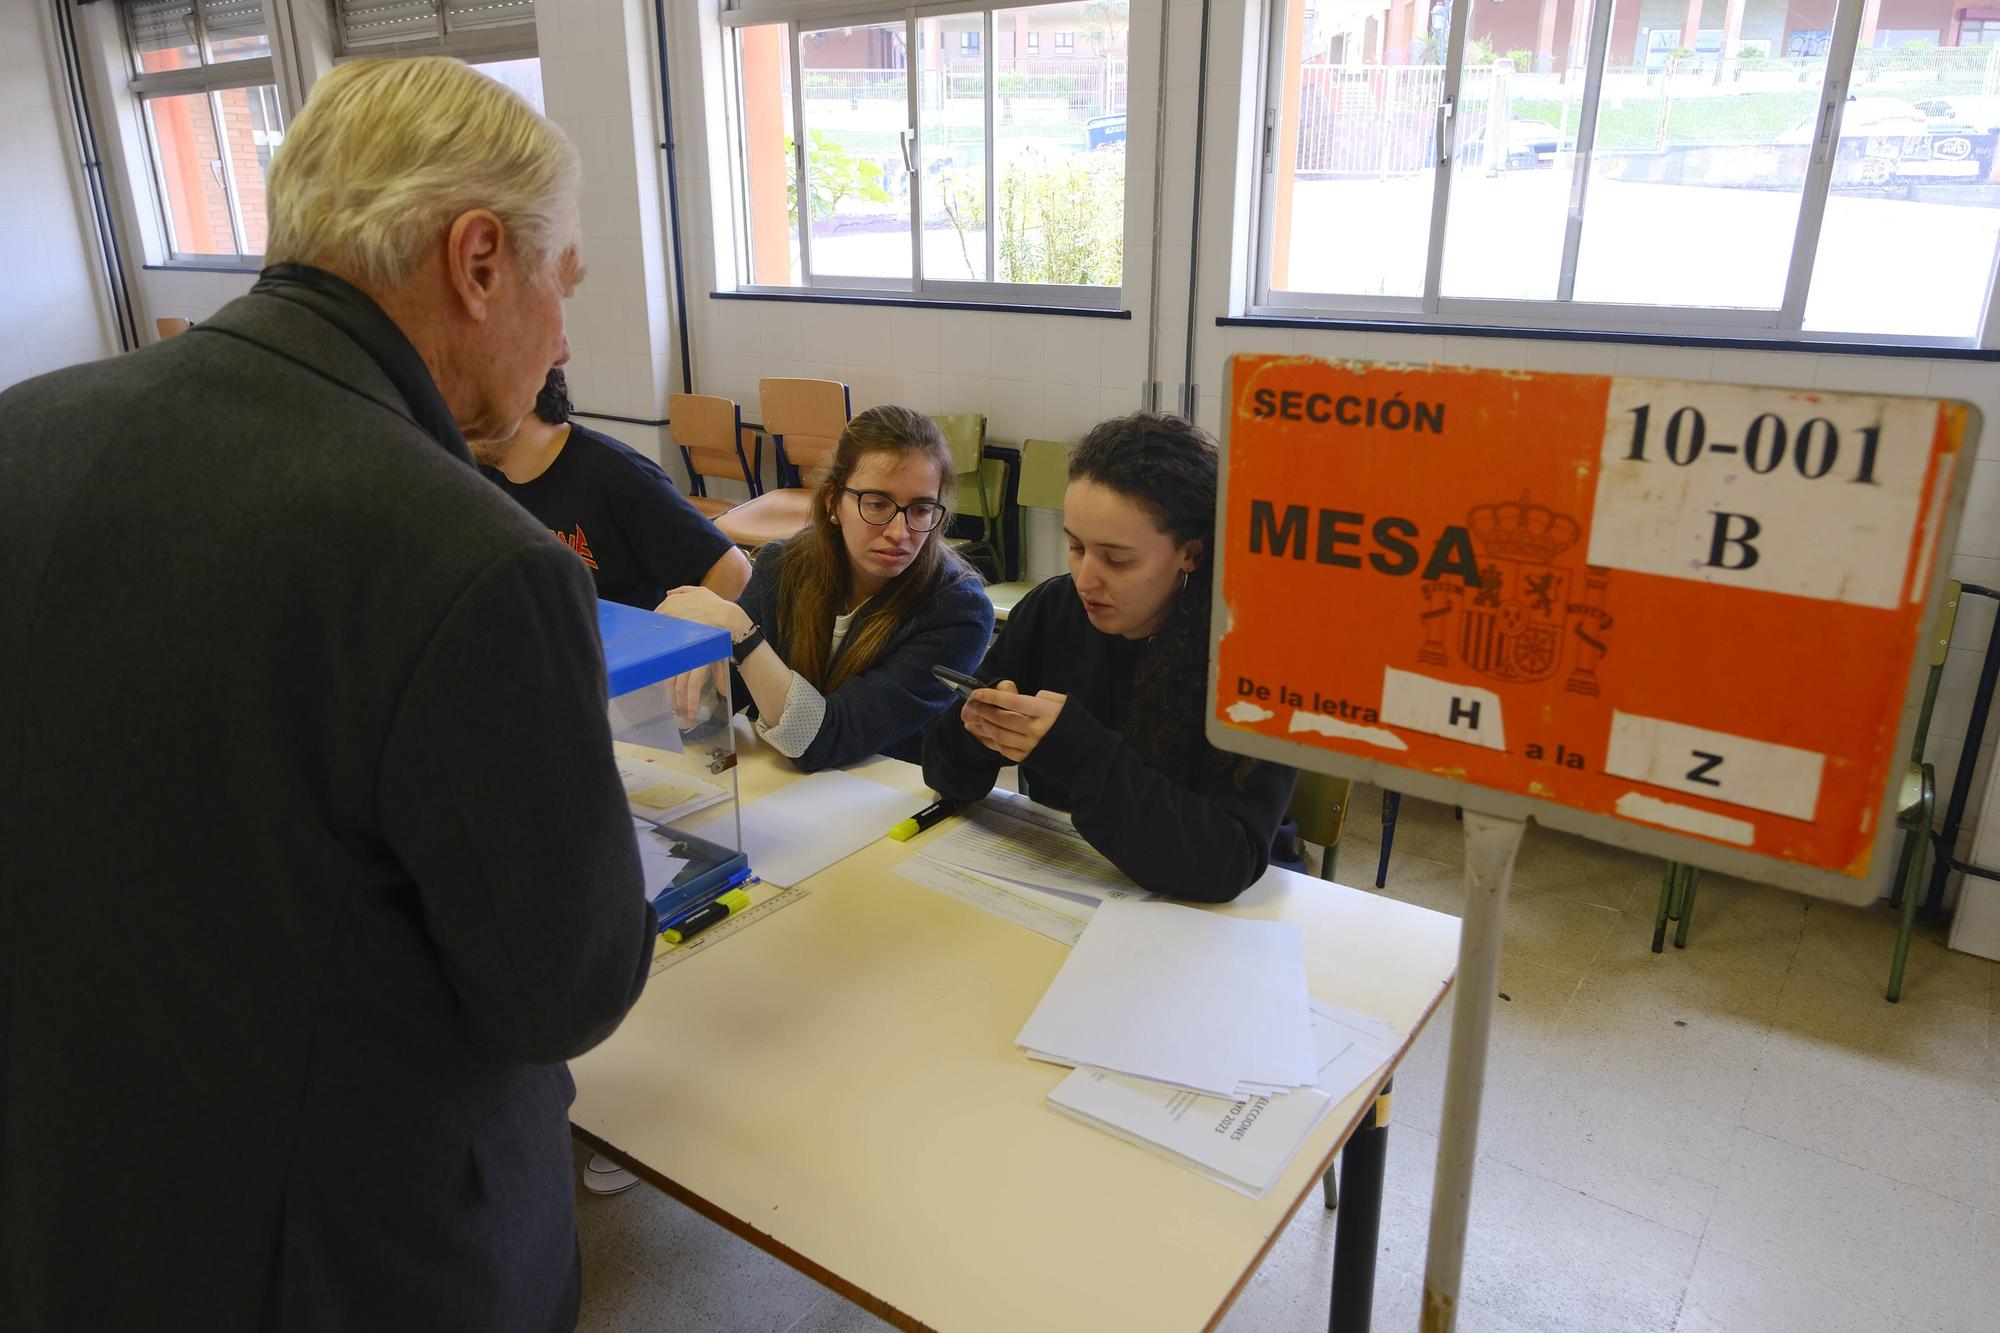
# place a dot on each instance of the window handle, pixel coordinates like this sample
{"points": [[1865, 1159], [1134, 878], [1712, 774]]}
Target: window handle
{"points": [[1823, 140], [903, 138], [1444, 130]]}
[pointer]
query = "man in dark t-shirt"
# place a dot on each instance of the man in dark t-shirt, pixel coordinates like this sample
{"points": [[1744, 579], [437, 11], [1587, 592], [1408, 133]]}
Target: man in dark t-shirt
{"points": [[612, 505]]}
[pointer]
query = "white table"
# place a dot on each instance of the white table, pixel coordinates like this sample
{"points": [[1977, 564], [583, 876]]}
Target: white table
{"points": [[838, 1084]]}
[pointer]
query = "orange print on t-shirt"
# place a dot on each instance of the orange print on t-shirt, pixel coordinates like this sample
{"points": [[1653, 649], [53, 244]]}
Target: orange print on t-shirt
{"points": [[579, 543]]}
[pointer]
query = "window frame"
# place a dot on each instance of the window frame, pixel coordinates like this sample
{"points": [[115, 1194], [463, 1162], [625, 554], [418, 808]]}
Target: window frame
{"points": [[1783, 325], [208, 79], [802, 16]]}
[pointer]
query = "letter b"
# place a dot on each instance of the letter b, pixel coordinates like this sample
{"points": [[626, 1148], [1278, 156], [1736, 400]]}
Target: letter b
{"points": [[1721, 539]]}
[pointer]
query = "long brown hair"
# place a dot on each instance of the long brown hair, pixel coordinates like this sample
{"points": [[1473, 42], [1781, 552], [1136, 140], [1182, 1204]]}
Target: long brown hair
{"points": [[1167, 467], [815, 577]]}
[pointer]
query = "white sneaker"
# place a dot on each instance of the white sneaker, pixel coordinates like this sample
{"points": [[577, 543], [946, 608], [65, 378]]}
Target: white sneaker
{"points": [[604, 1176]]}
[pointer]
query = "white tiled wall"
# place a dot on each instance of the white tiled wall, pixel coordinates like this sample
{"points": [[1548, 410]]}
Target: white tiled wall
{"points": [[600, 84], [50, 314]]}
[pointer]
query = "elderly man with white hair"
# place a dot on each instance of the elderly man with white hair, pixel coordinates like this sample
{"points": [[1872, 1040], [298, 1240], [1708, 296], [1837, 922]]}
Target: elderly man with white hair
{"points": [[314, 863]]}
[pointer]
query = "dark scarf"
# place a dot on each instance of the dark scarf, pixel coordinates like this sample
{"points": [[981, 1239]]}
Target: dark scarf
{"points": [[349, 309]]}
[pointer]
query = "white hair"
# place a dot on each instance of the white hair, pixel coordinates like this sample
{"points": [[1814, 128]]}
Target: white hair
{"points": [[387, 153]]}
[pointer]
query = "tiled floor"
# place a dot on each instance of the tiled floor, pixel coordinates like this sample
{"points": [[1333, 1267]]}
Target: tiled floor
{"points": [[1738, 1138]]}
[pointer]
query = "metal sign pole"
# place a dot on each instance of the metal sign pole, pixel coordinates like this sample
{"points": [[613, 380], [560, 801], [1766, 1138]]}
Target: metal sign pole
{"points": [[1490, 846]]}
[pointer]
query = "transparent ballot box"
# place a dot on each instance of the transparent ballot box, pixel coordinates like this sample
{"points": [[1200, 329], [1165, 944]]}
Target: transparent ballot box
{"points": [[670, 732]]}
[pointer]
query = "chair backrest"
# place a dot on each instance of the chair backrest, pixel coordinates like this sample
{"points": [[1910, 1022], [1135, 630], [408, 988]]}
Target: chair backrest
{"points": [[170, 325], [707, 429], [1044, 474], [806, 417], [1940, 650], [965, 436], [1319, 806]]}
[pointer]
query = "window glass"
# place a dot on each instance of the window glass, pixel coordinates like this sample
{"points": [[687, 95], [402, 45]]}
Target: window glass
{"points": [[1907, 242], [523, 76], [858, 147], [1059, 150], [1520, 100], [163, 36], [235, 30], [210, 155], [951, 103], [1357, 151], [1700, 167], [946, 149]]}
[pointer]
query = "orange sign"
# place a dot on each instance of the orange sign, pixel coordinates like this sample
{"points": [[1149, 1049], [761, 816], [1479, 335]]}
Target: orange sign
{"points": [[1680, 616]]}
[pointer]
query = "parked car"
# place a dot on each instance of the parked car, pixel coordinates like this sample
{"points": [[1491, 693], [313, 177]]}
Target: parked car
{"points": [[1876, 135], [1530, 144], [1963, 134]]}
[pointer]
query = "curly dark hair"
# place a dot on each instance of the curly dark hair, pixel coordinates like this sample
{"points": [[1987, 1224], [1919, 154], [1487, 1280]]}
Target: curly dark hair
{"points": [[552, 403], [1167, 467]]}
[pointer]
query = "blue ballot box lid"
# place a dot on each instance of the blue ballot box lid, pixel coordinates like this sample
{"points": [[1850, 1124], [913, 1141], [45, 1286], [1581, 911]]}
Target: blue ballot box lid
{"points": [[642, 648]]}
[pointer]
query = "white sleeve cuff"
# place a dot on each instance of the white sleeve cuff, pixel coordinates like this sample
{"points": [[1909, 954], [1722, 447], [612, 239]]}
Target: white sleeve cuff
{"points": [[805, 711]]}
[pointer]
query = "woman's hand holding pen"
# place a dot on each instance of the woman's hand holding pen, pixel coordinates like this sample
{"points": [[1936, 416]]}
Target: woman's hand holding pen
{"points": [[1008, 722]]}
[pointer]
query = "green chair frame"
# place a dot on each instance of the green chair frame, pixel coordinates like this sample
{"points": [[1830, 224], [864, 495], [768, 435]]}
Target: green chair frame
{"points": [[1917, 807], [979, 477], [1319, 808], [1044, 481]]}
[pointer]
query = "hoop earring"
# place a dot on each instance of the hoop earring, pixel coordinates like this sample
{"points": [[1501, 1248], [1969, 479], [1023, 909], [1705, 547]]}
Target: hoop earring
{"points": [[1184, 580]]}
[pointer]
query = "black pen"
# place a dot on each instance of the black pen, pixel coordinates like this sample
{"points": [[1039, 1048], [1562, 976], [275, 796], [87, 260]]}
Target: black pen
{"points": [[923, 819]]}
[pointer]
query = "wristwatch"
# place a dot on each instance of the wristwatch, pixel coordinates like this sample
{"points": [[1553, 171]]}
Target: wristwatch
{"points": [[740, 649]]}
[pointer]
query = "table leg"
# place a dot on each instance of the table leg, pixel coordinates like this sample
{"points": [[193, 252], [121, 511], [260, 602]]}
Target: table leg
{"points": [[1357, 1228], [1490, 846]]}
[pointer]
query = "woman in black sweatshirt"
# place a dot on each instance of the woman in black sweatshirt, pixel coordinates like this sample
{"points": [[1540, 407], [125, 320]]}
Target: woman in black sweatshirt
{"points": [[1098, 680]]}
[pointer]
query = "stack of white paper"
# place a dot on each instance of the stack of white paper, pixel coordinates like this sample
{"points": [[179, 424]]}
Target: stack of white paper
{"points": [[1244, 1144], [1023, 862], [1199, 1001], [1008, 837]]}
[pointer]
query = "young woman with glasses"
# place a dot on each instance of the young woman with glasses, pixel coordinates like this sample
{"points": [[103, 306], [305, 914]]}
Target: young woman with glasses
{"points": [[836, 635], [1097, 684]]}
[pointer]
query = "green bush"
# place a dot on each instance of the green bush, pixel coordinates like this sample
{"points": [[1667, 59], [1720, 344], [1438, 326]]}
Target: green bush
{"points": [[1523, 61], [832, 174], [1061, 219]]}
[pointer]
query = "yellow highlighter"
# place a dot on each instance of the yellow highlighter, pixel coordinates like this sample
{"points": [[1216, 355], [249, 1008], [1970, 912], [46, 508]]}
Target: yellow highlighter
{"points": [[931, 814], [708, 914]]}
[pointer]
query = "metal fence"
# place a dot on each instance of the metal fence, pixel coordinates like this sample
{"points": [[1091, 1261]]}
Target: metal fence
{"points": [[1086, 86], [1374, 120]]}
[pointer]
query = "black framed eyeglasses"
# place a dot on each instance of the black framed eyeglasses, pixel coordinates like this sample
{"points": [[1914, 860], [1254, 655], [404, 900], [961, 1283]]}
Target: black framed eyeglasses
{"points": [[878, 507]]}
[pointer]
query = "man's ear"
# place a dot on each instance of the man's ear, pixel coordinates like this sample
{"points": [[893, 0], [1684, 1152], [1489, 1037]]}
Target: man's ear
{"points": [[473, 251]]}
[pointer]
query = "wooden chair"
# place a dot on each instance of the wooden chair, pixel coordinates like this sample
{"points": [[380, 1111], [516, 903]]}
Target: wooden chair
{"points": [[982, 482], [170, 326], [1044, 478], [1916, 803], [709, 431], [804, 419]]}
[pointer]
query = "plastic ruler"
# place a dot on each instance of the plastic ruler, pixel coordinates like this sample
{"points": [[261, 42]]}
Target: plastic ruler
{"points": [[766, 899]]}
